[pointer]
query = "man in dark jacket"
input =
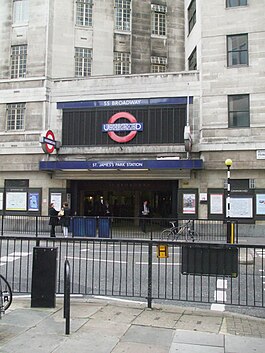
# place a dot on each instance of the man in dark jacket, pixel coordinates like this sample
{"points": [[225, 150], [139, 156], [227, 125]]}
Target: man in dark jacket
{"points": [[53, 219]]}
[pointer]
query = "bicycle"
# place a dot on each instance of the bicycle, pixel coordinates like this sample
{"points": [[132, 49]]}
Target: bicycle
{"points": [[185, 230], [5, 295]]}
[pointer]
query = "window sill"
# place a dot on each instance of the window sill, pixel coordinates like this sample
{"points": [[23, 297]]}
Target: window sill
{"points": [[237, 66]]}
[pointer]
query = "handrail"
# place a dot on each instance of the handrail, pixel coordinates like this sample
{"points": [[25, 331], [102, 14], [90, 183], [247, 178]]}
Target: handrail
{"points": [[66, 309]]}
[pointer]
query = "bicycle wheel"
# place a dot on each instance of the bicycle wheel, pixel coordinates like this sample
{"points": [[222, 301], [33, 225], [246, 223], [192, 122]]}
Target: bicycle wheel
{"points": [[5, 294], [167, 234]]}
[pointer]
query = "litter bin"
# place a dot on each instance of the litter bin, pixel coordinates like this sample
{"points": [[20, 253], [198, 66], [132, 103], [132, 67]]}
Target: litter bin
{"points": [[84, 226], [44, 270], [104, 227], [90, 226]]}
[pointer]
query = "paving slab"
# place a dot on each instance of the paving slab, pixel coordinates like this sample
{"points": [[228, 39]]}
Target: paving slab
{"points": [[110, 328], [149, 335], [197, 338], [88, 342], [199, 323], [131, 347], [30, 342], [125, 314], [240, 344], [191, 348], [157, 318]]}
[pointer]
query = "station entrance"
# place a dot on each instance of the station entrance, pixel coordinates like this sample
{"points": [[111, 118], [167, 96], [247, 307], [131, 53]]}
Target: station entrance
{"points": [[124, 197]]}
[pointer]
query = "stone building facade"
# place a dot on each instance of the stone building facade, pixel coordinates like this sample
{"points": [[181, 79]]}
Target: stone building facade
{"points": [[190, 73]]}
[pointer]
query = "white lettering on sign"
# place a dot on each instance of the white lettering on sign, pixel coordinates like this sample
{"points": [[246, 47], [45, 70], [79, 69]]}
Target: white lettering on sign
{"points": [[122, 102], [122, 127]]}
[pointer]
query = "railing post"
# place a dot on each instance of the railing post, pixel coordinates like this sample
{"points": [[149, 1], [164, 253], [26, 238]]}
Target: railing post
{"points": [[2, 230], [66, 308], [150, 262], [36, 226]]}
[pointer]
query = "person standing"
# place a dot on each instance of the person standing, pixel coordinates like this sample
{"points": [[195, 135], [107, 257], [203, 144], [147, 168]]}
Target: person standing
{"points": [[144, 214], [53, 219], [64, 215]]}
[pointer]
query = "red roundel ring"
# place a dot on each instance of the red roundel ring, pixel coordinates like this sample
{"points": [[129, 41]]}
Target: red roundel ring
{"points": [[49, 135], [113, 119]]}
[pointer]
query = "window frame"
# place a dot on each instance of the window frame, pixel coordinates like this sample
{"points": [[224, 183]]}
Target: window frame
{"points": [[15, 116], [158, 20], [191, 15], [122, 15], [232, 112], [237, 51], [121, 63], [20, 12], [18, 61], [192, 58], [158, 68], [84, 13], [83, 62], [238, 4]]}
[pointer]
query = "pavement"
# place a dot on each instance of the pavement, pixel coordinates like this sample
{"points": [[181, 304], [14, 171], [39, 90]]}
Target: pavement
{"points": [[100, 325]]}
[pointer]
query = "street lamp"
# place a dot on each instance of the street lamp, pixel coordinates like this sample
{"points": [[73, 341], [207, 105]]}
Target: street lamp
{"points": [[228, 163]]}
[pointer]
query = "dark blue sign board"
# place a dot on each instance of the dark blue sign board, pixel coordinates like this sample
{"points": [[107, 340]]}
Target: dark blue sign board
{"points": [[133, 164], [124, 102]]}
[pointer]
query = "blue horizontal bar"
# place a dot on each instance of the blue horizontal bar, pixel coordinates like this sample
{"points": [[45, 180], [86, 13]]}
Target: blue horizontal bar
{"points": [[123, 103], [133, 164]]}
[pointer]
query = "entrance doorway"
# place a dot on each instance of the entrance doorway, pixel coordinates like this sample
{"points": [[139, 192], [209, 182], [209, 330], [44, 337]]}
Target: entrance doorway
{"points": [[124, 197]]}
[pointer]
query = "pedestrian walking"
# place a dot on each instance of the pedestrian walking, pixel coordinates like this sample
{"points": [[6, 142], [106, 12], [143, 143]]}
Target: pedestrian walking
{"points": [[64, 215], [144, 215], [54, 221]]}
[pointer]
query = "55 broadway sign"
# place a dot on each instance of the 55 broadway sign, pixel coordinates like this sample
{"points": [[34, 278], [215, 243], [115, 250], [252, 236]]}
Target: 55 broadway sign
{"points": [[132, 127]]}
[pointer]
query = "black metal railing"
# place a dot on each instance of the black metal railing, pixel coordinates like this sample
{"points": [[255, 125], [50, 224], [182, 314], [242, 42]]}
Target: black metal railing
{"points": [[231, 274], [114, 227]]}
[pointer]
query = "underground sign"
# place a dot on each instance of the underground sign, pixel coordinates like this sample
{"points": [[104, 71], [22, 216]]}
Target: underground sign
{"points": [[48, 142], [132, 127]]}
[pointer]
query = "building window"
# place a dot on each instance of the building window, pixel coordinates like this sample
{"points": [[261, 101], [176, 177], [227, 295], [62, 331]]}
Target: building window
{"points": [[158, 64], [83, 59], [192, 14], [122, 63], [15, 116], [20, 11], [193, 60], [155, 68], [84, 12], [234, 3], [18, 61], [123, 15], [158, 20], [237, 50], [238, 110]]}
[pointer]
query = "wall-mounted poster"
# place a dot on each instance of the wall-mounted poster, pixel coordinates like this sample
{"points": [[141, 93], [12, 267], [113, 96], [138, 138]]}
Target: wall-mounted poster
{"points": [[216, 204], [1, 200], [241, 207], [33, 201], [260, 204], [189, 203], [56, 198], [16, 201]]}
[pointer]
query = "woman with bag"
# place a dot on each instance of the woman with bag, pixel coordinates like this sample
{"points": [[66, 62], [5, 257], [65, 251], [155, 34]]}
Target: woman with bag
{"points": [[64, 215]]}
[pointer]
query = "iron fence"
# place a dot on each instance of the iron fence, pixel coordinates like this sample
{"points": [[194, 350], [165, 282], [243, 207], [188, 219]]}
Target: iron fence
{"points": [[192, 272], [114, 227]]}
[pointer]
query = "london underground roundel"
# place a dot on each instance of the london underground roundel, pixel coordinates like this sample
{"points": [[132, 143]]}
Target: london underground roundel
{"points": [[133, 125], [49, 146]]}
